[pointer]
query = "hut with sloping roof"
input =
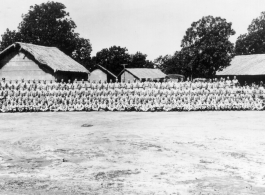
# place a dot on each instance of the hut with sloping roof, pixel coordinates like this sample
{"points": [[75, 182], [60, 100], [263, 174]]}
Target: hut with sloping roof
{"points": [[141, 74], [34, 62], [250, 68], [174, 77], [101, 73]]}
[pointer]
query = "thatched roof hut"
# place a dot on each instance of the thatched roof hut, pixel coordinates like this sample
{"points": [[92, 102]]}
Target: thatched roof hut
{"points": [[28, 61], [141, 73], [250, 68]]}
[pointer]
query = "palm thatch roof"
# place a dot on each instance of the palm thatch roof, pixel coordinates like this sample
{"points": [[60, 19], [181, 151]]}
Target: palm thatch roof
{"points": [[245, 65], [142, 73], [50, 56], [106, 71]]}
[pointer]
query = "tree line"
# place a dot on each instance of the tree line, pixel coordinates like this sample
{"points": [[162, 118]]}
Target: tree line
{"points": [[205, 47]]}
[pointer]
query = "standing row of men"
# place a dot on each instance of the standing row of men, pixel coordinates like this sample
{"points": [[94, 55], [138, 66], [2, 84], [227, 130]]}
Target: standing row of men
{"points": [[111, 85]]}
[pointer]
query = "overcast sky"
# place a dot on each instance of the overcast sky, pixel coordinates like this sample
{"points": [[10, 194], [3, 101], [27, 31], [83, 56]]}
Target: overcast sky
{"points": [[154, 27]]}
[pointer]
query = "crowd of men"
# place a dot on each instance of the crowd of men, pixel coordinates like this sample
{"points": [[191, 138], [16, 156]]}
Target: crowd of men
{"points": [[214, 94]]}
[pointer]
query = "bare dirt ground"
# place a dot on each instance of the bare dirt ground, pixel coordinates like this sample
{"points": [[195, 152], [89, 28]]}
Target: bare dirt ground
{"points": [[133, 153]]}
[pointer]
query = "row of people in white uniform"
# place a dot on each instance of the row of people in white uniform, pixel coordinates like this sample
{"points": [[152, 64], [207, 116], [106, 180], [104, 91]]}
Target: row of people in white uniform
{"points": [[134, 104], [150, 96]]}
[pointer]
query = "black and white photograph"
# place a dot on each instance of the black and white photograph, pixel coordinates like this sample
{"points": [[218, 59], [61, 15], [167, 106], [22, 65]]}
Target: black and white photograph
{"points": [[132, 97]]}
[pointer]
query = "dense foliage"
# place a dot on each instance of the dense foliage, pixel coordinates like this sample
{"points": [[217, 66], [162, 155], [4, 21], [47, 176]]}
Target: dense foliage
{"points": [[115, 57], [48, 24], [207, 47], [172, 64], [252, 42]]}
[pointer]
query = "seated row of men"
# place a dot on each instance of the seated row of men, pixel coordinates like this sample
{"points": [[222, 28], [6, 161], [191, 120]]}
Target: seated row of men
{"points": [[133, 105], [121, 102]]}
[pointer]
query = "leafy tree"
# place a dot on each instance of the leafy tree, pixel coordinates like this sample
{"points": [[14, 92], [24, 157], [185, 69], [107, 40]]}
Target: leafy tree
{"points": [[112, 58], [206, 47], [172, 64], [8, 38], [138, 60], [82, 51], [252, 42], [164, 63], [49, 24]]}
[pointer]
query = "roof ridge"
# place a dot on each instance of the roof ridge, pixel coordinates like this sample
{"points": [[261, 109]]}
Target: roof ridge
{"points": [[35, 45], [250, 55]]}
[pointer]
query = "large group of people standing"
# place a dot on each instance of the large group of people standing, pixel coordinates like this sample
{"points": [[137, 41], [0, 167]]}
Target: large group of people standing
{"points": [[150, 95]]}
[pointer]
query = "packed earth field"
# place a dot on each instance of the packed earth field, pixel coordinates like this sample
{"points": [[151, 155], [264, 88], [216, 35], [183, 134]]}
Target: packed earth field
{"points": [[113, 153]]}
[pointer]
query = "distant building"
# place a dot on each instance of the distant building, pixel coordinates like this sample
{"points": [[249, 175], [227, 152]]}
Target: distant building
{"points": [[141, 74], [28, 61], [175, 77], [250, 68], [101, 73]]}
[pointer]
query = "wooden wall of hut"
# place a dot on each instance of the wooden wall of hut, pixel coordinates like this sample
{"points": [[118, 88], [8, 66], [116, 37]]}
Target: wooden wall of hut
{"points": [[97, 75], [18, 65], [127, 76]]}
